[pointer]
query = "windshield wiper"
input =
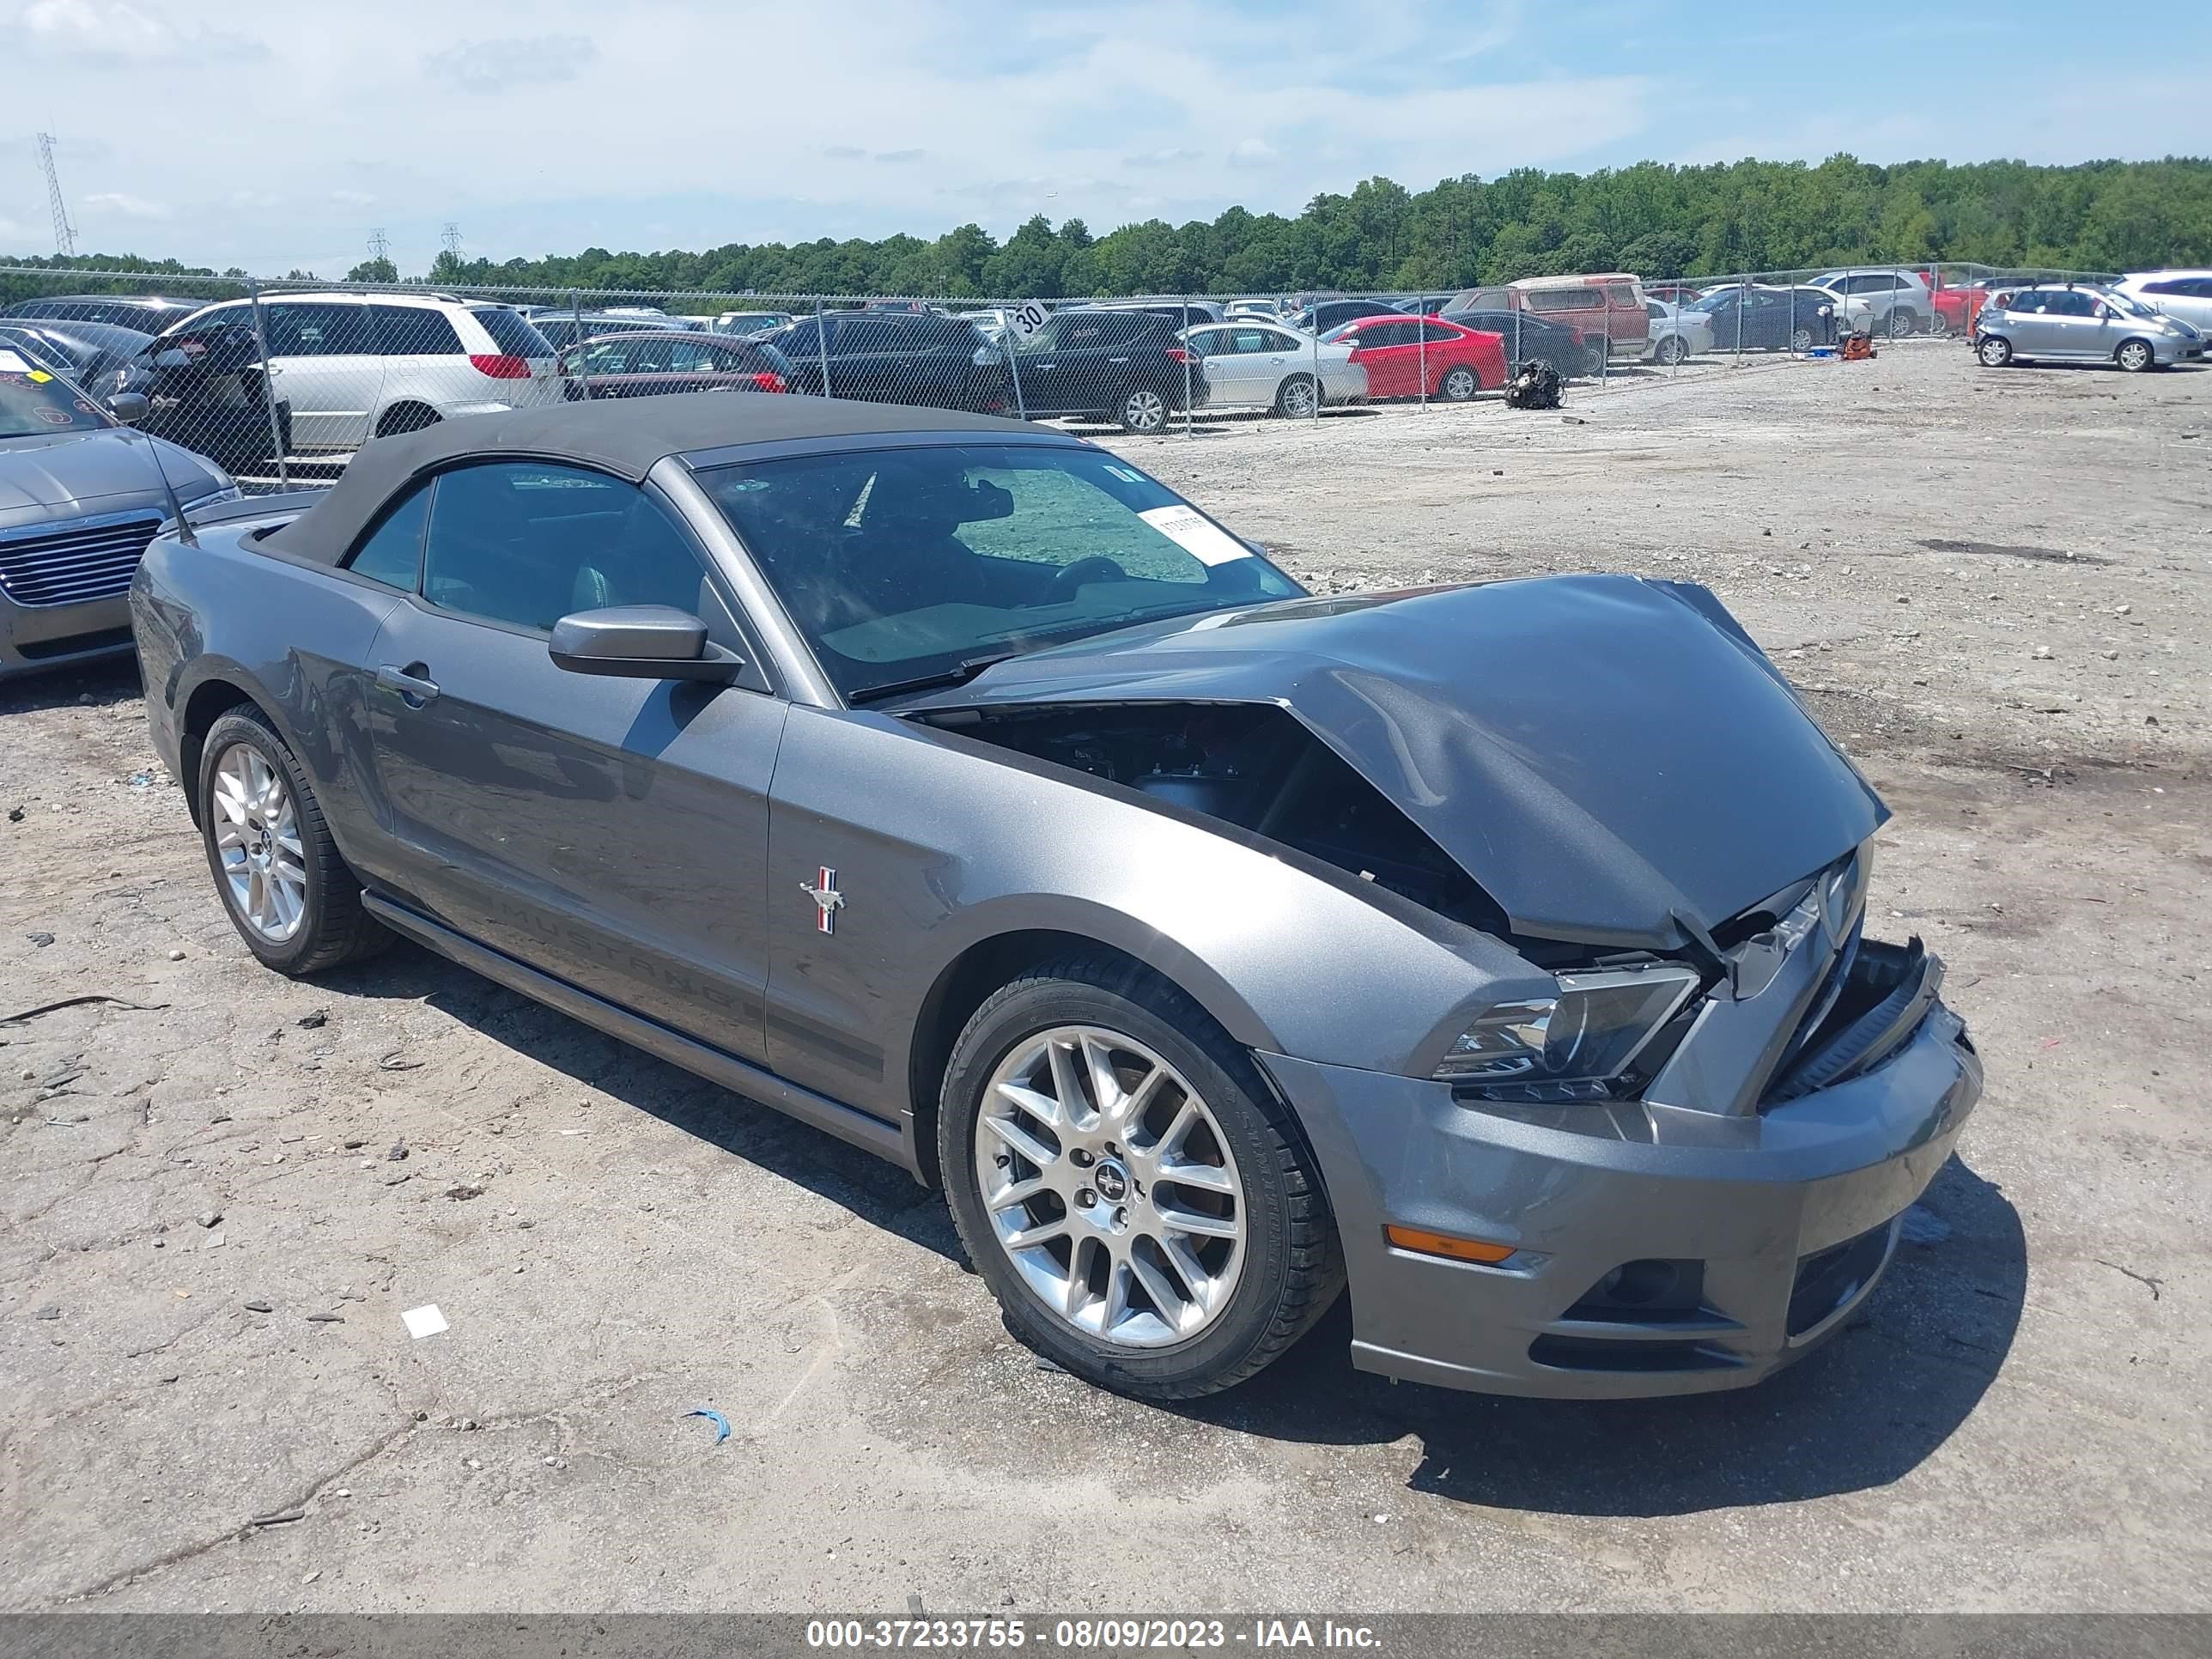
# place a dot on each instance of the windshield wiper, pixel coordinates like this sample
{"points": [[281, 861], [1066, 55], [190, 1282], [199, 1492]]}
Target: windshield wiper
{"points": [[960, 674]]}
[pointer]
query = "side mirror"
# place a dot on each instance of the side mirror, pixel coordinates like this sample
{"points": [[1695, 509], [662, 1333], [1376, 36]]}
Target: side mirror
{"points": [[129, 407], [643, 643]]}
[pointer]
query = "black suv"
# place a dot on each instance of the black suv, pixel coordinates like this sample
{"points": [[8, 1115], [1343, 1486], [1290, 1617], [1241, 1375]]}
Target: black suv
{"points": [[1123, 365], [897, 357]]}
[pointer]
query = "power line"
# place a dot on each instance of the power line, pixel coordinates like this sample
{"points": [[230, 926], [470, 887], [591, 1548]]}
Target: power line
{"points": [[64, 232]]}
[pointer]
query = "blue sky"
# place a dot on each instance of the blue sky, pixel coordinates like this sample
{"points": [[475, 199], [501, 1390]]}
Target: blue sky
{"points": [[272, 134]]}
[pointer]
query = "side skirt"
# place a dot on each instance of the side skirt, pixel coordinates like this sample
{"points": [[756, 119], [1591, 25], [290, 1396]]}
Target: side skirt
{"points": [[885, 1140]]}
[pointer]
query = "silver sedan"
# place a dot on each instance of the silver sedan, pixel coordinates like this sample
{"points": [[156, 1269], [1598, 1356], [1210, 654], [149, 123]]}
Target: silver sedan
{"points": [[1268, 366]]}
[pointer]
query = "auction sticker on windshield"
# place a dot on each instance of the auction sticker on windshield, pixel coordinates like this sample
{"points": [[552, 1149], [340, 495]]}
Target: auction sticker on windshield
{"points": [[11, 364], [1196, 534]]}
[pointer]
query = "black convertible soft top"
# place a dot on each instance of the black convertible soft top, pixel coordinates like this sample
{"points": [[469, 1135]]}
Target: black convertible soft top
{"points": [[626, 436]]}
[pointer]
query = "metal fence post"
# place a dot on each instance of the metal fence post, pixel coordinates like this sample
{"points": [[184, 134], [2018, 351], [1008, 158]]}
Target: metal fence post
{"points": [[1421, 337], [1316, 362], [269, 392], [822, 347], [1011, 347], [576, 315], [1793, 316], [1189, 427]]}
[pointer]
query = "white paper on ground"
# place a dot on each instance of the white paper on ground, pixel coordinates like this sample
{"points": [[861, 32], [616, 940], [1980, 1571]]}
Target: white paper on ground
{"points": [[1196, 534], [423, 1321]]}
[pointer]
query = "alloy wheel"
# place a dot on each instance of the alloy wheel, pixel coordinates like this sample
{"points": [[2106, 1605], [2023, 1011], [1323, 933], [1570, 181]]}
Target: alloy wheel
{"points": [[1459, 385], [1297, 400], [1144, 411], [257, 837], [2135, 357], [1109, 1185]]}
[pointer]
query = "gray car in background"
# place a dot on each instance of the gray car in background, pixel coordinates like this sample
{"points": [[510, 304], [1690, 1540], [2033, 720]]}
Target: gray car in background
{"points": [[80, 497], [1256, 365], [2081, 322], [1496, 951]]}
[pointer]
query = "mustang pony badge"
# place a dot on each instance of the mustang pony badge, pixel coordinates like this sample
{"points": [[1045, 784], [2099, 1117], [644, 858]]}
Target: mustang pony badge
{"points": [[827, 899]]}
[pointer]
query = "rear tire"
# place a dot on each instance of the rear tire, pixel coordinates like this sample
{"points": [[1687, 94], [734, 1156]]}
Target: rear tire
{"points": [[1278, 1275], [1994, 351], [1296, 399], [1142, 409], [1673, 349], [1459, 384], [331, 927]]}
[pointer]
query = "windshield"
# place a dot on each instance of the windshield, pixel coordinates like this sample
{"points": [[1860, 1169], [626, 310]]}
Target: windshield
{"points": [[34, 403], [2125, 303], [907, 565]]}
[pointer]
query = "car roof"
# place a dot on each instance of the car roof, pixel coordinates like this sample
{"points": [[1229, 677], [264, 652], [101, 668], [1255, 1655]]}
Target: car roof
{"points": [[686, 335], [626, 436]]}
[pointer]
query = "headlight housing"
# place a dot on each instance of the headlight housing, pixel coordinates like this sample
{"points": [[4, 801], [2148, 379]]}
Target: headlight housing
{"points": [[1571, 1047]]}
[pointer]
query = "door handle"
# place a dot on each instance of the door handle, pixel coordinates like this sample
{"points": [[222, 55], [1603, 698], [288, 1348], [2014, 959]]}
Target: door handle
{"points": [[413, 690], [1117, 360]]}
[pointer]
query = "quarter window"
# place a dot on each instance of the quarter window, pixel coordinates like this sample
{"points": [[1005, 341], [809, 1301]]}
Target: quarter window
{"points": [[298, 329], [392, 554], [411, 331]]}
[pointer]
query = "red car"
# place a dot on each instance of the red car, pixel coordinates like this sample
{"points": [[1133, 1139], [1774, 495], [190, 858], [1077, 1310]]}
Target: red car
{"points": [[1957, 308], [1396, 351]]}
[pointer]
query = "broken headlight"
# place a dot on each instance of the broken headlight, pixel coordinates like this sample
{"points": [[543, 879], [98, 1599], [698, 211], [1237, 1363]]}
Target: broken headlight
{"points": [[1571, 1047]]}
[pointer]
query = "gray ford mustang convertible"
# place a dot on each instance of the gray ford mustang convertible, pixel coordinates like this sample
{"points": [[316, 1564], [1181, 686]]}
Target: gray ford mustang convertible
{"points": [[1491, 952]]}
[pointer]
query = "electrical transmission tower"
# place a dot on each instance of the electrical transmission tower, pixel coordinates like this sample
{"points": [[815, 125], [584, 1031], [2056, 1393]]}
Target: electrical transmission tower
{"points": [[64, 232], [379, 244], [451, 236]]}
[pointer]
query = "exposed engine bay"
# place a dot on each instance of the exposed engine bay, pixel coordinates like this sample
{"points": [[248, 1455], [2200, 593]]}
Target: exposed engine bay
{"points": [[1250, 764]]}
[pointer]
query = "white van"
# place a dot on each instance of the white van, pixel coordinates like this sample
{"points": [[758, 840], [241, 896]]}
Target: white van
{"points": [[353, 367]]}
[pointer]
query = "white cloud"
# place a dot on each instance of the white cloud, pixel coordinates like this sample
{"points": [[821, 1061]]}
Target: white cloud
{"points": [[1248, 152], [523, 61], [118, 31], [127, 206]]}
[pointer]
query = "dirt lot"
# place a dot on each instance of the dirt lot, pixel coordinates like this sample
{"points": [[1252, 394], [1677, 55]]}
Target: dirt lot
{"points": [[1993, 588]]}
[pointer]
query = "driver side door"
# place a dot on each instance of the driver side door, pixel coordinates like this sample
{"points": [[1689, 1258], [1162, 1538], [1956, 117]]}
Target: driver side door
{"points": [[609, 831]]}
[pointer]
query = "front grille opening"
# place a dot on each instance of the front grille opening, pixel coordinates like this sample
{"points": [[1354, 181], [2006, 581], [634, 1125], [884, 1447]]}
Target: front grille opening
{"points": [[1649, 1291], [73, 564], [1827, 1278], [1869, 1016], [1593, 1354]]}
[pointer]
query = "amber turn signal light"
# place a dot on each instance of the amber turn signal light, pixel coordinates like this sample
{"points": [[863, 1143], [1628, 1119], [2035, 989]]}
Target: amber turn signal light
{"points": [[1444, 1244]]}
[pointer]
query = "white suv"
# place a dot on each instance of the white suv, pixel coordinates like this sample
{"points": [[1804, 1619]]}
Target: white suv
{"points": [[353, 367], [1898, 301]]}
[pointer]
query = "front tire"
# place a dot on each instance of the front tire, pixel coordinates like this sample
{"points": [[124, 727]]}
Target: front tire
{"points": [[279, 874], [1994, 351], [1143, 1208], [1903, 323], [2135, 355], [1459, 384], [1801, 340]]}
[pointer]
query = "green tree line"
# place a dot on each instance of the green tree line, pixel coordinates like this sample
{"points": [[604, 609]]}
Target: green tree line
{"points": [[1654, 219]]}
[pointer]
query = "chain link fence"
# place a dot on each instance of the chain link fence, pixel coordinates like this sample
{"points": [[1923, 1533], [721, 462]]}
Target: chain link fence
{"points": [[283, 382]]}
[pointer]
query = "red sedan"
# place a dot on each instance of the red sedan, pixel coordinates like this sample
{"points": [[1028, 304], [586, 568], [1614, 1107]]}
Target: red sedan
{"points": [[1398, 350]]}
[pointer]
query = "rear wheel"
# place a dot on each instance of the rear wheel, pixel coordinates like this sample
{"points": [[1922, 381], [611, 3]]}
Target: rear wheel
{"points": [[1459, 384], [1297, 399], [1673, 349], [1994, 351], [2135, 355], [1143, 1208], [1142, 409], [282, 882]]}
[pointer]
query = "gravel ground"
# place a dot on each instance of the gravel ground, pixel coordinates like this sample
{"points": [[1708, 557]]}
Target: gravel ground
{"points": [[222, 1189]]}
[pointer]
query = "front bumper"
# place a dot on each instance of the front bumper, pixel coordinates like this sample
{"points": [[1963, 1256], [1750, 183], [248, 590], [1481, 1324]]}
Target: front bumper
{"points": [[1767, 1241], [34, 638]]}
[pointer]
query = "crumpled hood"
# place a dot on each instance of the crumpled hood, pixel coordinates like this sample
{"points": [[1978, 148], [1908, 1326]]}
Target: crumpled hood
{"points": [[79, 469], [1609, 758]]}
